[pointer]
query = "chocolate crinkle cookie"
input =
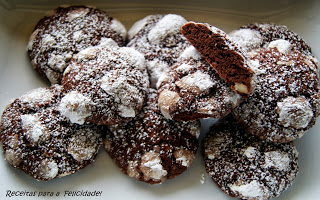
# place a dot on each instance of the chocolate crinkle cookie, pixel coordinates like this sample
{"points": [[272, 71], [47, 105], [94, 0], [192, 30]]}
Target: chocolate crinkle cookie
{"points": [[151, 148], [286, 100], [256, 35], [192, 90], [39, 140], [223, 54], [110, 83], [159, 39], [246, 167], [64, 32]]}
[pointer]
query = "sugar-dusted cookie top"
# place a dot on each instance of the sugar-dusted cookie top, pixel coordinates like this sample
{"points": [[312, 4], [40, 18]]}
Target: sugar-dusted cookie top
{"points": [[151, 148], [192, 89], [64, 32], [109, 81], [159, 39], [246, 167], [39, 140], [256, 35], [286, 100]]}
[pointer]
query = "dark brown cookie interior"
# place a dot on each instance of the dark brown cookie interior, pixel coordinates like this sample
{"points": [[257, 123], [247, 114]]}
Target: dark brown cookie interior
{"points": [[216, 50]]}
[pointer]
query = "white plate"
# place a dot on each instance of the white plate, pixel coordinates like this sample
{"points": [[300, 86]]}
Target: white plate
{"points": [[17, 19]]}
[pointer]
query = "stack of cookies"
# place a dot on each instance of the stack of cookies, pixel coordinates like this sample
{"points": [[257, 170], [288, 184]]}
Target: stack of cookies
{"points": [[143, 92]]}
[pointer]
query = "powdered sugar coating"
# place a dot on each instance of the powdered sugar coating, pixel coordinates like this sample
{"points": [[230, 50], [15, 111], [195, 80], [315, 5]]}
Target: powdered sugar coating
{"points": [[40, 141], [34, 129], [48, 169], [138, 26], [118, 27], [196, 83], [112, 79], [68, 30], [251, 152], [150, 148], [270, 32], [151, 167], [156, 68], [190, 53], [168, 26], [286, 101], [295, 112], [277, 160], [75, 106], [244, 166], [193, 90], [39, 96], [283, 46], [83, 144], [168, 101], [122, 91], [248, 39], [250, 190], [185, 157], [74, 14], [159, 39]]}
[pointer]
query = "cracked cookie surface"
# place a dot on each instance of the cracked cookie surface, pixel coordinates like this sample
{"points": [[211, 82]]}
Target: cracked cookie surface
{"points": [[39, 140], [150, 148], [66, 31], [286, 100], [246, 167]]}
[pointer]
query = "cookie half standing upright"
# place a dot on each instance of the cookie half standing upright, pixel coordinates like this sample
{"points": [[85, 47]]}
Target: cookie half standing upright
{"points": [[286, 100], [66, 31], [193, 90], [110, 82], [246, 167], [151, 148], [224, 55], [159, 39], [39, 140]]}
